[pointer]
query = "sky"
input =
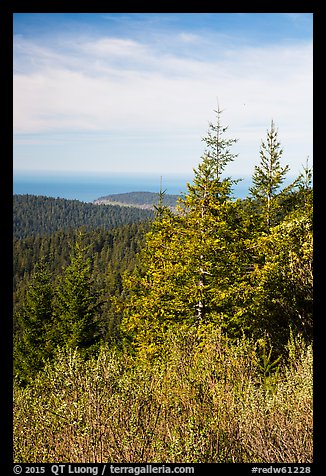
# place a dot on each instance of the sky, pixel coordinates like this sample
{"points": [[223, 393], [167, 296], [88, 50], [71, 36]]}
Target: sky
{"points": [[103, 93]]}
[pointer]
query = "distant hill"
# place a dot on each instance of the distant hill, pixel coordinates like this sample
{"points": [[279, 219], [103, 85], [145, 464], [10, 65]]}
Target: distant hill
{"points": [[143, 200], [34, 214]]}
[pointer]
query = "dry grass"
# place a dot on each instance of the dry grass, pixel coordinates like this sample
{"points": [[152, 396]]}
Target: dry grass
{"points": [[201, 401]]}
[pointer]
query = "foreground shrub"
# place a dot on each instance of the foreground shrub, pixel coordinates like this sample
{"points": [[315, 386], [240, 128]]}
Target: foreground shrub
{"points": [[204, 399]]}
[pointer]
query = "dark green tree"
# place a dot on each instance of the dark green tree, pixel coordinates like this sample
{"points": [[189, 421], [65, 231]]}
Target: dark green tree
{"points": [[77, 302], [32, 343]]}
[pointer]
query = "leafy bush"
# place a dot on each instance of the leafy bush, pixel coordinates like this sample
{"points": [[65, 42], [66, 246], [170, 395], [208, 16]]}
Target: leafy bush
{"points": [[204, 399]]}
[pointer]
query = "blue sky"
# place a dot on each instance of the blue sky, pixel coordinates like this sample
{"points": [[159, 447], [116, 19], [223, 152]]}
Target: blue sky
{"points": [[134, 93]]}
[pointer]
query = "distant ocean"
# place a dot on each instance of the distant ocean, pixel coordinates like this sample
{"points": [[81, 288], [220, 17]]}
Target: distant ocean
{"points": [[89, 188]]}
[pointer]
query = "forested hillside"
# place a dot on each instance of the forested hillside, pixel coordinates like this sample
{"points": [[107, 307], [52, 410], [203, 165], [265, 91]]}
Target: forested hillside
{"points": [[187, 338], [113, 253], [39, 215], [138, 199]]}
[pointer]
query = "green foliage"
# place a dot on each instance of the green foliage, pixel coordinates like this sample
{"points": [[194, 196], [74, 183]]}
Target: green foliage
{"points": [[139, 199], [280, 286], [217, 154], [113, 252], [61, 310], [187, 340], [203, 399], [219, 261], [189, 257], [77, 302], [268, 178], [33, 344], [45, 215]]}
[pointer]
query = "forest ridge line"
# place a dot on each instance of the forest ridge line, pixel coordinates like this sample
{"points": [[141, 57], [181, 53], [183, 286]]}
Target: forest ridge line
{"points": [[142, 200]]}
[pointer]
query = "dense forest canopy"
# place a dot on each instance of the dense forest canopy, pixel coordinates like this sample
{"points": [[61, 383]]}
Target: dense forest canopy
{"points": [[226, 277], [44, 215], [141, 199]]}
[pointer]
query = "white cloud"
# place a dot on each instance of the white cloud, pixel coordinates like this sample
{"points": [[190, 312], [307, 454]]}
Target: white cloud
{"points": [[121, 85], [189, 37]]}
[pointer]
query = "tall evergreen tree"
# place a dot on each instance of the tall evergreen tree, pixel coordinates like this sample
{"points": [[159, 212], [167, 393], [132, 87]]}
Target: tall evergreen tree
{"points": [[77, 302], [276, 293], [269, 176], [208, 201], [187, 263], [212, 263], [33, 344]]}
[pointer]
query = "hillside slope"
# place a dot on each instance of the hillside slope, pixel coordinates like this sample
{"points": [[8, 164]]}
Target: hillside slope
{"points": [[34, 214], [143, 200]]}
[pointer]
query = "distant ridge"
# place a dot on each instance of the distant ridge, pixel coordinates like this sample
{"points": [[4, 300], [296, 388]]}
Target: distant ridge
{"points": [[144, 200], [40, 215]]}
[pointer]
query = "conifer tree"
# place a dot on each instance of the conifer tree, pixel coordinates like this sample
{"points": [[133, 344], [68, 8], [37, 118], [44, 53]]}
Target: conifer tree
{"points": [[277, 290], [190, 257], [33, 344], [268, 178], [77, 302], [151, 299], [208, 202], [305, 186], [212, 263]]}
